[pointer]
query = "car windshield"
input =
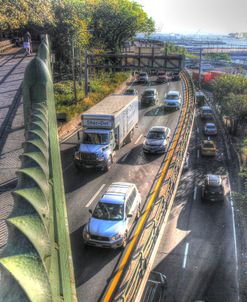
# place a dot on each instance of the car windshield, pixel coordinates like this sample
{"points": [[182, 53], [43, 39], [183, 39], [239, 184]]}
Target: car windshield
{"points": [[172, 97], [207, 111], [211, 126], [143, 75], [214, 189], [95, 138], [156, 135], [208, 145], [109, 211], [161, 74], [148, 92]]}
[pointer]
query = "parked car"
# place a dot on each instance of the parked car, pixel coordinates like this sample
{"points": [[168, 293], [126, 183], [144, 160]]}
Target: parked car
{"points": [[208, 148], [213, 188], [156, 288], [149, 96], [172, 100], [113, 216], [162, 77], [206, 113], [143, 77], [130, 91], [157, 140], [210, 129]]}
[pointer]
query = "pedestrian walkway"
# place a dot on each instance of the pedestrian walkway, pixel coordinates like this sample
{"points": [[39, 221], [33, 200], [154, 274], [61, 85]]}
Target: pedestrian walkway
{"points": [[12, 67]]}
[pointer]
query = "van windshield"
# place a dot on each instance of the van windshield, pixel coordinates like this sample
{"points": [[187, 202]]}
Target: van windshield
{"points": [[172, 97], [95, 138]]}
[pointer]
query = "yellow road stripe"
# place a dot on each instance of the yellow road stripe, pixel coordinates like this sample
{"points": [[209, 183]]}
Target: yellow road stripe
{"points": [[117, 276]]}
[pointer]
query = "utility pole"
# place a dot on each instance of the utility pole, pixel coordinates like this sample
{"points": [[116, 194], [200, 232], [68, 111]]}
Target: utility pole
{"points": [[200, 68], [86, 74]]}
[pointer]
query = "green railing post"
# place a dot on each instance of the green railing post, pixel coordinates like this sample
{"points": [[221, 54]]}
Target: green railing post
{"points": [[36, 264]]}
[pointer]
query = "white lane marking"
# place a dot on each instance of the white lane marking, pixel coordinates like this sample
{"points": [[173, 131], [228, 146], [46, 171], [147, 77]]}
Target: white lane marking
{"points": [[197, 130], [198, 153], [65, 169], [234, 238], [125, 156], [138, 139], [95, 195], [156, 112], [185, 254], [195, 192]]}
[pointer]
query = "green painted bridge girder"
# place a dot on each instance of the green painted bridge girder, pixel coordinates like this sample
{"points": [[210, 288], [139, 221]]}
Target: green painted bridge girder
{"points": [[36, 263]]}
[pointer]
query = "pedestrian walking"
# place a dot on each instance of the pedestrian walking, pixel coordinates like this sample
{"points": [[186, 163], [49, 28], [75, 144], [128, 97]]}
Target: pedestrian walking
{"points": [[27, 42]]}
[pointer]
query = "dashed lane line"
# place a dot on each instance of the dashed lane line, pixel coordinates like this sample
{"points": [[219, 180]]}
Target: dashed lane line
{"points": [[95, 195]]}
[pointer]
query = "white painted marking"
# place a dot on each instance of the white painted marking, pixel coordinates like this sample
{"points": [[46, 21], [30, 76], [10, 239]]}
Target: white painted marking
{"points": [[138, 139], [95, 195], [198, 153], [195, 192], [125, 156], [65, 169], [185, 254], [234, 239], [197, 130], [156, 112]]}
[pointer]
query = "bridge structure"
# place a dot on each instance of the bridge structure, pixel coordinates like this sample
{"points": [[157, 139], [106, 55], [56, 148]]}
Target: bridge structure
{"points": [[36, 263]]}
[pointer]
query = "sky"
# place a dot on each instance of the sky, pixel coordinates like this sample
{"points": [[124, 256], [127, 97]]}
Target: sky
{"points": [[197, 16]]}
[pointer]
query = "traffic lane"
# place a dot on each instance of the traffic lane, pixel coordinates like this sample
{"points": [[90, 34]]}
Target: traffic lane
{"points": [[198, 252], [75, 180], [98, 273]]}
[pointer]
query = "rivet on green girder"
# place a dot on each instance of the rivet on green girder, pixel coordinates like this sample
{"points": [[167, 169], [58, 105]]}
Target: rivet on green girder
{"points": [[32, 176], [36, 198], [32, 227], [29, 272]]}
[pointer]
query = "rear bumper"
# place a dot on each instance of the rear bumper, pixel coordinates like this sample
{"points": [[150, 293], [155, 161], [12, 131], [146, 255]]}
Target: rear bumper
{"points": [[153, 150]]}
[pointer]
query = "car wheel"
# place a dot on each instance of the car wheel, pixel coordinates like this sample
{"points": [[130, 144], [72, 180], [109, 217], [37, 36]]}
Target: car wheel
{"points": [[138, 214], [124, 242], [109, 163]]}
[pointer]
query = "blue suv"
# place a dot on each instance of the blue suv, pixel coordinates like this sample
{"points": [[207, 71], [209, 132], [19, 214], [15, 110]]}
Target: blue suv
{"points": [[113, 216]]}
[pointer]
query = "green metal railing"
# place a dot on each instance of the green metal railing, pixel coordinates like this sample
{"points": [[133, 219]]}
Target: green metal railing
{"points": [[36, 264]]}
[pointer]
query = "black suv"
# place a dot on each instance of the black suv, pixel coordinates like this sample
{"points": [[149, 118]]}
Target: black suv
{"points": [[213, 189]]}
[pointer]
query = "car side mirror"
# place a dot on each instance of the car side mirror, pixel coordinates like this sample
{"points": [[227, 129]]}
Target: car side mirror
{"points": [[90, 211], [129, 215]]}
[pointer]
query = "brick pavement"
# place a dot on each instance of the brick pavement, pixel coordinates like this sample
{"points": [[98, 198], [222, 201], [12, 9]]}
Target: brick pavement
{"points": [[12, 67]]}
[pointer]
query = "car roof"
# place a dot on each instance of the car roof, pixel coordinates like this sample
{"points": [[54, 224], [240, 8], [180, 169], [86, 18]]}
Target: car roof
{"points": [[210, 124], [173, 92], [159, 128], [208, 141], [214, 180], [117, 192]]}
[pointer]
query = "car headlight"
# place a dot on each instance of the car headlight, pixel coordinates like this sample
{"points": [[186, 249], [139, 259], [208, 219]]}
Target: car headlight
{"points": [[77, 155], [145, 142], [116, 236], [86, 234], [100, 157]]}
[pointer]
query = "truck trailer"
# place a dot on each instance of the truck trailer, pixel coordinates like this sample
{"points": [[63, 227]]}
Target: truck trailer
{"points": [[105, 128]]}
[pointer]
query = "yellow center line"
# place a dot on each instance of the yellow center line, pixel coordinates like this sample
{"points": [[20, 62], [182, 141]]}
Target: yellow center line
{"points": [[117, 276]]}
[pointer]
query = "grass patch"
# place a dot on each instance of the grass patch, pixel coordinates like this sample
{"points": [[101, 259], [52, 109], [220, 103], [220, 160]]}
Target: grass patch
{"points": [[101, 85]]}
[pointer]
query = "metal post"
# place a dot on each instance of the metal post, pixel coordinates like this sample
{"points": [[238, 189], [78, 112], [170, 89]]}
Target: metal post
{"points": [[73, 71], [86, 74]]}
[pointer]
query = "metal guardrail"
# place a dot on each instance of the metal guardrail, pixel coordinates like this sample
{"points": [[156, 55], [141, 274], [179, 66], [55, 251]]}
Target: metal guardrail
{"points": [[127, 285], [36, 264]]}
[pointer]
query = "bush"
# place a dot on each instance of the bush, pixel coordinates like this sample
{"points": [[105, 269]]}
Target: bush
{"points": [[101, 85]]}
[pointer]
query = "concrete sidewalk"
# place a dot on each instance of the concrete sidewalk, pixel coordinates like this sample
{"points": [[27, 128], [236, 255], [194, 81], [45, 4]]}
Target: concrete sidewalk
{"points": [[12, 67]]}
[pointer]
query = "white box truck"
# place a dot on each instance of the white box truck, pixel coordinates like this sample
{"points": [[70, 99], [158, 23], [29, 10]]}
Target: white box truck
{"points": [[106, 127]]}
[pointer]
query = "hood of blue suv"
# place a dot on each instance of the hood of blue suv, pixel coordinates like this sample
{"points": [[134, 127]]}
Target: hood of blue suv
{"points": [[106, 228]]}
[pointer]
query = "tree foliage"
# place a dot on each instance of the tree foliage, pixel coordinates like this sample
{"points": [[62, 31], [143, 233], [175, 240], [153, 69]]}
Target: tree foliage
{"points": [[15, 14]]}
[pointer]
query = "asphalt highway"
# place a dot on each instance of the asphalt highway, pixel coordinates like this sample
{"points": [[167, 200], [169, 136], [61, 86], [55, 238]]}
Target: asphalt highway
{"points": [[94, 266], [198, 252]]}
